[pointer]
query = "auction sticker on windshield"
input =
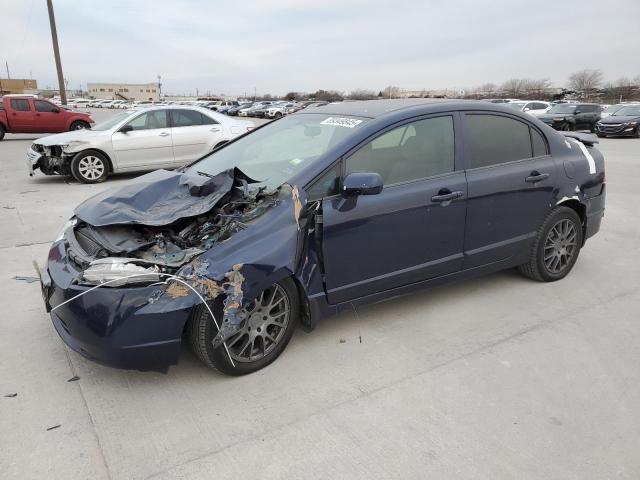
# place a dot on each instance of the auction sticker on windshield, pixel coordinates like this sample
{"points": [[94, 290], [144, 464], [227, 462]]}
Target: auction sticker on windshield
{"points": [[341, 122]]}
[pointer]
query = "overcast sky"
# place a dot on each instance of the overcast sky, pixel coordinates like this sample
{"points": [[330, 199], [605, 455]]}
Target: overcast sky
{"points": [[281, 45]]}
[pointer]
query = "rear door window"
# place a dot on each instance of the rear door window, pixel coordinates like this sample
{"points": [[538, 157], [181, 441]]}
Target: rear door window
{"points": [[495, 139], [185, 118], [20, 105]]}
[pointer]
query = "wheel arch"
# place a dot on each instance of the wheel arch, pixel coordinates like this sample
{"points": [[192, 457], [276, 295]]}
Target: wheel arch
{"points": [[578, 207]]}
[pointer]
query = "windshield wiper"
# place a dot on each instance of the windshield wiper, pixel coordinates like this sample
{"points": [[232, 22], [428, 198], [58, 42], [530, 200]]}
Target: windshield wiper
{"points": [[204, 174]]}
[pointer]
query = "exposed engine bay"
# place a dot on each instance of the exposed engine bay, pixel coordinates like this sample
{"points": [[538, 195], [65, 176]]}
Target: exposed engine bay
{"points": [[118, 249]]}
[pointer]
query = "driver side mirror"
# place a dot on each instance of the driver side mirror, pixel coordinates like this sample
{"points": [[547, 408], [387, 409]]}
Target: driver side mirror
{"points": [[126, 129], [362, 183], [55, 110], [578, 111], [526, 109]]}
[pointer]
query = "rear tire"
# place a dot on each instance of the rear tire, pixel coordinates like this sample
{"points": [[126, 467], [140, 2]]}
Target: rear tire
{"points": [[2, 132], [79, 125], [566, 127], [90, 167], [556, 247], [636, 133], [202, 330]]}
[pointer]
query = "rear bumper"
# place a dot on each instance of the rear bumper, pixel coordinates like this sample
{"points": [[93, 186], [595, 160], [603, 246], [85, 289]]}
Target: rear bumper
{"points": [[595, 212]]}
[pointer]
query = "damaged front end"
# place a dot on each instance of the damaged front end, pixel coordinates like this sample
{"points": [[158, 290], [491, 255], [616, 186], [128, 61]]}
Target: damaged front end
{"points": [[148, 238], [54, 158]]}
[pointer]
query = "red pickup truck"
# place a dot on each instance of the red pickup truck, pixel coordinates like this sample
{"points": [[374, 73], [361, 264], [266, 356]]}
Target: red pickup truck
{"points": [[30, 114]]}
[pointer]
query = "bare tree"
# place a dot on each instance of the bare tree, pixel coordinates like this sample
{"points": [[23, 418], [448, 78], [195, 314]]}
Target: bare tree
{"points": [[362, 94], [391, 92], [535, 87], [487, 89], [585, 81], [513, 87]]}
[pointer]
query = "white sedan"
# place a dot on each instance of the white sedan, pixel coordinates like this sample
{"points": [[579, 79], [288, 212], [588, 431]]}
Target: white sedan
{"points": [[135, 140], [537, 108]]}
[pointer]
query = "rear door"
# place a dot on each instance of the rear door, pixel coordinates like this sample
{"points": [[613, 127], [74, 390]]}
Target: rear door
{"points": [[21, 116], [407, 233], [511, 179], [194, 134], [48, 116], [148, 145]]}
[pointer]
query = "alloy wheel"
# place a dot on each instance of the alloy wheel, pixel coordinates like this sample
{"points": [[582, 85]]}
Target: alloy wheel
{"points": [[560, 246], [263, 327], [91, 168]]}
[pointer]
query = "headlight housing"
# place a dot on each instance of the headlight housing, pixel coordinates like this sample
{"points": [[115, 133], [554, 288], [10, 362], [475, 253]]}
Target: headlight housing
{"points": [[119, 271]]}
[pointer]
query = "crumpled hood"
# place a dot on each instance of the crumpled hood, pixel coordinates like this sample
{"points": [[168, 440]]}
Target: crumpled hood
{"points": [[68, 137], [159, 198]]}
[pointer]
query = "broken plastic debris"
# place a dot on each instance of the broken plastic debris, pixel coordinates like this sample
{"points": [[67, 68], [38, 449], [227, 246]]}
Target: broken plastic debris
{"points": [[26, 279], [54, 427], [11, 395], [75, 378]]}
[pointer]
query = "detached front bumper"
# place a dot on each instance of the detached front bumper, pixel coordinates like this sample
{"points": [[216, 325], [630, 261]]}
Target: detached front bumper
{"points": [[33, 161], [121, 327]]}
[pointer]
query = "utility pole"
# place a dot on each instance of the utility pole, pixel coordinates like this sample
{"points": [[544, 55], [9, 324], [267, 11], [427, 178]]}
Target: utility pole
{"points": [[56, 53], [159, 87], [8, 74]]}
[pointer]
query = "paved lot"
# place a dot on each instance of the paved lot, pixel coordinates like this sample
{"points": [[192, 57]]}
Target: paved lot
{"points": [[497, 378]]}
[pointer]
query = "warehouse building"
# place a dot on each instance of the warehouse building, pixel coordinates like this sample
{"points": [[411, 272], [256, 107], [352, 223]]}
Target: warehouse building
{"points": [[124, 91], [17, 85]]}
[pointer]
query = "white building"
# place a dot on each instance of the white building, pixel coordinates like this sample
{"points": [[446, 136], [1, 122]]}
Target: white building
{"points": [[124, 91]]}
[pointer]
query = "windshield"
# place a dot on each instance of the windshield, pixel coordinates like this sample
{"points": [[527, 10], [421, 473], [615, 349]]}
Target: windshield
{"points": [[516, 105], [275, 153], [111, 121], [562, 108], [629, 110]]}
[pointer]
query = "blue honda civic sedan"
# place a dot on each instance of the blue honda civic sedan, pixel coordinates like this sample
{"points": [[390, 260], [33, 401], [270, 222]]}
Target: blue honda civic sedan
{"points": [[341, 205]]}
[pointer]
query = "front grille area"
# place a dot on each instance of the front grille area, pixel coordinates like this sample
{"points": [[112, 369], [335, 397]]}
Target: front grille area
{"points": [[611, 127]]}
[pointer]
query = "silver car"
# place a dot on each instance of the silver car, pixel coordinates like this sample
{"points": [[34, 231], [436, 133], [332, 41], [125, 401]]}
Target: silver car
{"points": [[138, 139]]}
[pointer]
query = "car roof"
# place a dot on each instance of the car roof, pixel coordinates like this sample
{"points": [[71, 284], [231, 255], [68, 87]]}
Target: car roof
{"points": [[379, 108]]}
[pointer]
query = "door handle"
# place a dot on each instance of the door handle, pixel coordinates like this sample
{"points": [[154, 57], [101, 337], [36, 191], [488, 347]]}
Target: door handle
{"points": [[214, 129], [536, 177], [446, 196], [164, 134]]}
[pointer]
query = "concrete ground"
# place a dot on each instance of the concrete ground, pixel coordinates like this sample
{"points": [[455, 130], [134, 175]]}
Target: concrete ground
{"points": [[497, 378]]}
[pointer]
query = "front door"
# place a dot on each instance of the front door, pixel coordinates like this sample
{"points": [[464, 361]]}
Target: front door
{"points": [[48, 117], [414, 229], [148, 145], [511, 180]]}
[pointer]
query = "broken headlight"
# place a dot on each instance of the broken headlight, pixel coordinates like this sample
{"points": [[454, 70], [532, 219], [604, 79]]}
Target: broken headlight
{"points": [[115, 272], [70, 223]]}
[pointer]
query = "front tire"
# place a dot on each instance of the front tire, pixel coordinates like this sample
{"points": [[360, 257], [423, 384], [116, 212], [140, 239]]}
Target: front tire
{"points": [[269, 323], [79, 125], [636, 133], [556, 248], [2, 132], [90, 167]]}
